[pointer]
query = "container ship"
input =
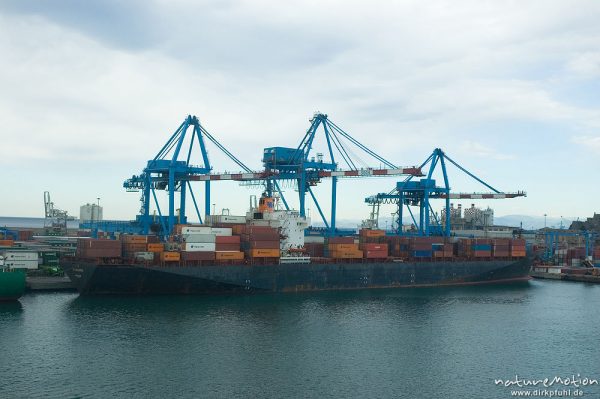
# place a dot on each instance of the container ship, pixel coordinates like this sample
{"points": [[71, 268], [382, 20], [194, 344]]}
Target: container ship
{"points": [[267, 251]]}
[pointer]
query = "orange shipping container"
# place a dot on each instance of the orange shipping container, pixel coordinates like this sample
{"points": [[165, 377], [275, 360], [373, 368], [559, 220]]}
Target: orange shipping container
{"points": [[346, 254], [229, 255], [170, 256], [6, 243], [156, 247], [343, 247], [372, 233], [264, 253]]}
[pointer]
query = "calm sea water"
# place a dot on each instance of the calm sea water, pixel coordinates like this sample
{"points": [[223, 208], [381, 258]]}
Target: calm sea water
{"points": [[423, 343]]}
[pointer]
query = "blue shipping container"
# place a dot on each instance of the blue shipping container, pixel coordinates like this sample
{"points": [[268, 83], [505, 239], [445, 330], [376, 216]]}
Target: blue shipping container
{"points": [[422, 254]]}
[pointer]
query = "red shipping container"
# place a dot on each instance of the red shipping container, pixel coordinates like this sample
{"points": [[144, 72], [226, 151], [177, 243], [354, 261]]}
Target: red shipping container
{"points": [[377, 254], [197, 255], [264, 244], [260, 230], [373, 247], [227, 247], [261, 236], [340, 240], [227, 240]]}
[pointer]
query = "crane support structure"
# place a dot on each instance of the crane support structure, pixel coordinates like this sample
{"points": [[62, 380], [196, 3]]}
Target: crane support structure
{"points": [[419, 193], [298, 164], [171, 170]]}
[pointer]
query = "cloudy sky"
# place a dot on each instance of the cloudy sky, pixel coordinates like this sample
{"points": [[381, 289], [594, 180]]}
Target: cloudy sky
{"points": [[89, 91]]}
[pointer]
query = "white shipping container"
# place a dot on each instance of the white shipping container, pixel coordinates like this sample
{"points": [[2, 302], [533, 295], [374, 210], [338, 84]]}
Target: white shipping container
{"points": [[198, 237], [22, 264], [149, 256], [195, 230], [231, 219], [14, 255], [199, 246], [221, 231]]}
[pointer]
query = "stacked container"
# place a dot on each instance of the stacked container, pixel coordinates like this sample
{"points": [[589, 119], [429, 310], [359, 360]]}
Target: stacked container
{"points": [[198, 243], [7, 243], [315, 249], [399, 246], [343, 248], [227, 244], [444, 251], [517, 248], [136, 246], [423, 247], [261, 242], [501, 248], [21, 259], [374, 250], [371, 236], [96, 248]]}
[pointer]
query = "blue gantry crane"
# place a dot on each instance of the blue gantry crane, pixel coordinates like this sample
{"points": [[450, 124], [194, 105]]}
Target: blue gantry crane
{"points": [[409, 193], [172, 170], [299, 164]]}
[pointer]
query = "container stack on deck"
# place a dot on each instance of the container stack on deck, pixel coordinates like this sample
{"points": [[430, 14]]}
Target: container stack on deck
{"points": [[260, 242], [342, 248], [517, 248], [372, 244]]}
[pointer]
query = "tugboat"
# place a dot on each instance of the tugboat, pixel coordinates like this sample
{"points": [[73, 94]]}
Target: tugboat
{"points": [[12, 283]]}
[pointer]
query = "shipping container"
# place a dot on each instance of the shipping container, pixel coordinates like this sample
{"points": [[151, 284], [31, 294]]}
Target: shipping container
{"points": [[340, 240], [22, 264], [197, 255], [227, 247], [373, 247], [145, 256], [227, 240], [346, 254], [195, 230], [7, 243], [170, 256], [221, 231], [21, 255], [156, 247], [422, 254], [198, 237], [264, 253], [199, 246], [375, 254], [342, 247], [229, 255], [372, 233]]}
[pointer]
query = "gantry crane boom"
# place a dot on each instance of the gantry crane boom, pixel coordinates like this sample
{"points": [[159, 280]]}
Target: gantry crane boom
{"points": [[418, 193]]}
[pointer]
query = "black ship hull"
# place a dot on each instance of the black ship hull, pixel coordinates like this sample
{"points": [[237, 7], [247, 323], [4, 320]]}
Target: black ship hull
{"points": [[90, 278]]}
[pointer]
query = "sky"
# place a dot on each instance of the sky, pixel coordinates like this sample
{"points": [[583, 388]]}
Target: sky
{"points": [[90, 91]]}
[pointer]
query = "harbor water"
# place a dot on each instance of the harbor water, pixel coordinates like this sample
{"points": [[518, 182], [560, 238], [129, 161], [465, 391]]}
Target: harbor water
{"points": [[411, 343]]}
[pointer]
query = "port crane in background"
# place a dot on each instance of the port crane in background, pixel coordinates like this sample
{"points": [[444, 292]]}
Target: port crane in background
{"points": [[410, 193], [55, 221], [552, 241]]}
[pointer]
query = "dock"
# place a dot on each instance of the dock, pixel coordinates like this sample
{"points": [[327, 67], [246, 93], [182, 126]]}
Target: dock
{"points": [[49, 284]]}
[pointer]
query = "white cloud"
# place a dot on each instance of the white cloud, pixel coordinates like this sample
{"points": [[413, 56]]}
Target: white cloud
{"points": [[586, 65], [473, 148], [402, 77], [591, 143]]}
